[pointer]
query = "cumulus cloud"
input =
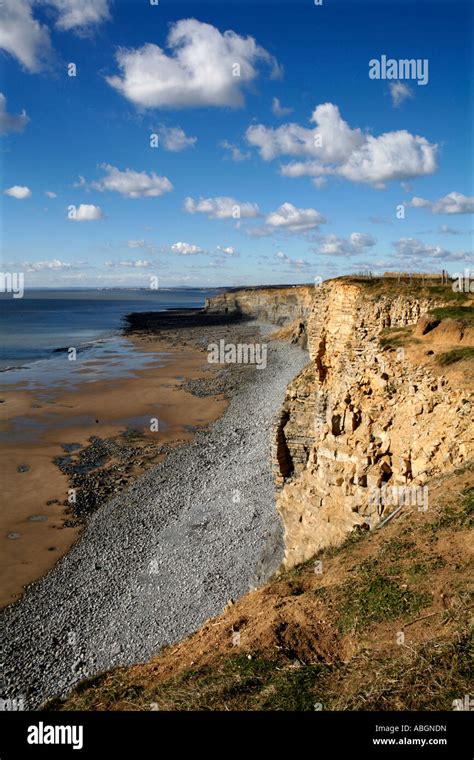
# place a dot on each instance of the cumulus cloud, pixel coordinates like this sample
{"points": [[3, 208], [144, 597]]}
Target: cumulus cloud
{"points": [[20, 192], [399, 91], [22, 36], [80, 14], [278, 110], [199, 70], [292, 219], [131, 184], [228, 250], [29, 41], [333, 245], [333, 148], [222, 207], [10, 122], [288, 219], [175, 139], [452, 203], [186, 249], [136, 243], [235, 152], [86, 212], [413, 248], [50, 194]]}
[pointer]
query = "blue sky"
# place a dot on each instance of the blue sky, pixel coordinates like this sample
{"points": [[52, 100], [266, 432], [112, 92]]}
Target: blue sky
{"points": [[341, 173]]}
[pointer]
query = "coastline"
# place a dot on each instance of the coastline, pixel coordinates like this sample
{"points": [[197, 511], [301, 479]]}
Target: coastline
{"points": [[93, 437], [155, 562]]}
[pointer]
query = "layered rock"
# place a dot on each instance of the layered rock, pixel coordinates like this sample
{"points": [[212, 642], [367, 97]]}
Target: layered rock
{"points": [[362, 422], [278, 305]]}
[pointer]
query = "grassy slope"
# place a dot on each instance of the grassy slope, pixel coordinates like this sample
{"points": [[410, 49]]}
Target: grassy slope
{"points": [[381, 623]]}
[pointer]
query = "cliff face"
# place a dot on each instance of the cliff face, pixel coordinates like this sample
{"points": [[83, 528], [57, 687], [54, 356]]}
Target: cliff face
{"points": [[362, 417], [276, 305]]}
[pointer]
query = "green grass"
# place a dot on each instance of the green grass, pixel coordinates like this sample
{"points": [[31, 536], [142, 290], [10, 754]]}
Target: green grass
{"points": [[455, 516], [455, 355], [397, 547], [376, 599], [464, 314]]}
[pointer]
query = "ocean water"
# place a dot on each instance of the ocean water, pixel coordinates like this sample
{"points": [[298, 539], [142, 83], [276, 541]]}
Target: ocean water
{"points": [[34, 328]]}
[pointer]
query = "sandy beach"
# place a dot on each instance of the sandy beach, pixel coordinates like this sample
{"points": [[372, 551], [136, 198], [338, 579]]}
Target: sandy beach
{"points": [[38, 427]]}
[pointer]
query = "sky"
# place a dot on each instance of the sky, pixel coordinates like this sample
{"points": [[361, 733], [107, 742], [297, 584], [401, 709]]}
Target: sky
{"points": [[215, 144]]}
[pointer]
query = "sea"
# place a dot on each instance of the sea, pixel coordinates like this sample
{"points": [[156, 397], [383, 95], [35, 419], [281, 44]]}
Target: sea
{"points": [[37, 330]]}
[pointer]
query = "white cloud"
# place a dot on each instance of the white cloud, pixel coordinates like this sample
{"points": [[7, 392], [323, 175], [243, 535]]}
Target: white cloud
{"points": [[10, 122], [136, 243], [333, 245], [131, 184], [291, 219], [300, 265], [186, 249], [37, 266], [222, 207], [288, 219], [80, 14], [174, 139], [452, 203], [400, 92], [333, 148], [20, 192], [236, 153], [86, 212], [279, 110], [412, 248], [228, 250], [50, 194], [362, 240], [198, 71], [139, 264], [22, 36]]}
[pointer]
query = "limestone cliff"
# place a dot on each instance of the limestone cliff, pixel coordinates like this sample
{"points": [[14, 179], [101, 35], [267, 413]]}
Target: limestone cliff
{"points": [[364, 415], [278, 305]]}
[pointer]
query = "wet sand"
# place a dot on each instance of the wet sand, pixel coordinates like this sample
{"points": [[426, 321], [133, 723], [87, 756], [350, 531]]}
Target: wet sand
{"points": [[34, 426]]}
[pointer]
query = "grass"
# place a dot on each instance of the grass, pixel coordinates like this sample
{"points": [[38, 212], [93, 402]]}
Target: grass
{"points": [[397, 547], [379, 286], [456, 516], [426, 677], [422, 677], [456, 355], [376, 599], [464, 314]]}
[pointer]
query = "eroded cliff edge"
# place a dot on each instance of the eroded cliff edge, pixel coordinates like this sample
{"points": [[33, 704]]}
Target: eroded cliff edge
{"points": [[372, 409]]}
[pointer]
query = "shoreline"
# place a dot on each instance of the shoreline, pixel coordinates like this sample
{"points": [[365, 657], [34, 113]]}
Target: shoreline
{"points": [[155, 562], [100, 456]]}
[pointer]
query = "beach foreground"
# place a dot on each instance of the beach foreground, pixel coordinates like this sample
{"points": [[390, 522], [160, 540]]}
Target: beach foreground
{"points": [[157, 561]]}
